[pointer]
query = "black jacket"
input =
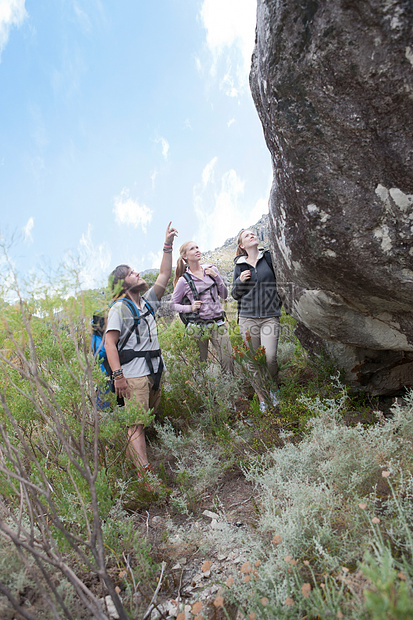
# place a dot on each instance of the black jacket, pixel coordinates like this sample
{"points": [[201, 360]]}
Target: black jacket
{"points": [[257, 297]]}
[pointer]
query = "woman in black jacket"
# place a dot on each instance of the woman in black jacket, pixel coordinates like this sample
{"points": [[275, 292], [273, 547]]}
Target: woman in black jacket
{"points": [[254, 287]]}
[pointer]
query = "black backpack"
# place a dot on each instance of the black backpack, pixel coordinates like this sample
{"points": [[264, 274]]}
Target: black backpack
{"points": [[192, 317]]}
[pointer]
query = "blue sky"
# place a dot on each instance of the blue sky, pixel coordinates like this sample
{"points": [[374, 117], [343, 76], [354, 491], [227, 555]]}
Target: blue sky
{"points": [[117, 117]]}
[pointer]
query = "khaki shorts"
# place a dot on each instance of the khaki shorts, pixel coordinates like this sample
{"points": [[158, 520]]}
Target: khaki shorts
{"points": [[142, 393]]}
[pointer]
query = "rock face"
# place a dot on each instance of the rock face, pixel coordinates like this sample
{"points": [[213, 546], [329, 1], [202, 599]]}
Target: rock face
{"points": [[332, 81]]}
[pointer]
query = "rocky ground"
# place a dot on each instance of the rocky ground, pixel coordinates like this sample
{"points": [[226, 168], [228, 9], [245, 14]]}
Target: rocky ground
{"points": [[192, 580]]}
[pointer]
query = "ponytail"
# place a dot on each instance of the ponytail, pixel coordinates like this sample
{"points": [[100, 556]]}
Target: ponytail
{"points": [[240, 251], [180, 270], [181, 263]]}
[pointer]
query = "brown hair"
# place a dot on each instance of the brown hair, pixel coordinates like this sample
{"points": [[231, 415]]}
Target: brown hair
{"points": [[241, 251], [180, 263], [116, 278]]}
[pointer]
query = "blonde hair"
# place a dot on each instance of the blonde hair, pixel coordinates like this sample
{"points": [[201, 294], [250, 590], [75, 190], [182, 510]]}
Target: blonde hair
{"points": [[241, 251], [181, 262]]}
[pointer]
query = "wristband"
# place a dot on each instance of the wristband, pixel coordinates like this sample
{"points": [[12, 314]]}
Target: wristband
{"points": [[117, 374]]}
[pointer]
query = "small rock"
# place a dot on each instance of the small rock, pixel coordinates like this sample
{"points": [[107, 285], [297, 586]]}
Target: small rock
{"points": [[217, 525], [238, 560], [156, 520], [109, 606], [211, 515], [162, 610], [196, 579]]}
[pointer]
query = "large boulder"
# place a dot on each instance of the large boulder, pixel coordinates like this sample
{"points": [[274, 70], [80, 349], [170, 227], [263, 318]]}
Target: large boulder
{"points": [[332, 81]]}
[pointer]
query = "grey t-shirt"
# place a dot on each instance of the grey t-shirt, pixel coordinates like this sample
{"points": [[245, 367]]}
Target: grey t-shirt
{"points": [[120, 319]]}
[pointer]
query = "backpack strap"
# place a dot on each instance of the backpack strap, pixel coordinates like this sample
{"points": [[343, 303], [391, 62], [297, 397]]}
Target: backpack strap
{"points": [[127, 356], [267, 256], [137, 316], [191, 283], [187, 276]]}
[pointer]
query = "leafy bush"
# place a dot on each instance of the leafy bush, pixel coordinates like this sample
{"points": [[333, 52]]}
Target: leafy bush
{"points": [[55, 453], [334, 533]]}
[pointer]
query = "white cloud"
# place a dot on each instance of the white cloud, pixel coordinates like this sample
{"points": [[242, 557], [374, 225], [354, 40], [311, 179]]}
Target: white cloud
{"points": [[27, 230], [12, 13], [82, 17], [221, 208], [128, 211], [231, 122], [228, 84], [90, 263], [258, 210], [230, 26], [87, 18], [217, 208], [165, 146], [94, 260], [153, 177], [208, 171], [155, 259], [198, 64]]}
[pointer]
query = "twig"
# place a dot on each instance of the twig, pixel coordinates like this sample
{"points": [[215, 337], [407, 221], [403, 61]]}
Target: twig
{"points": [[179, 590], [129, 569], [152, 605], [240, 503]]}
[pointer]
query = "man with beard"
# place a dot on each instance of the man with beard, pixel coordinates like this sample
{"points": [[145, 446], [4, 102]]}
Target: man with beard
{"points": [[132, 346]]}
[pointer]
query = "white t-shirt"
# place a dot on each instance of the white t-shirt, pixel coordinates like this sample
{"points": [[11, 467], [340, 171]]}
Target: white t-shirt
{"points": [[120, 319]]}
